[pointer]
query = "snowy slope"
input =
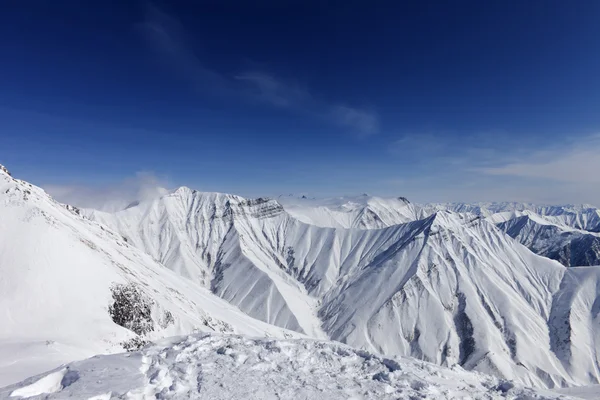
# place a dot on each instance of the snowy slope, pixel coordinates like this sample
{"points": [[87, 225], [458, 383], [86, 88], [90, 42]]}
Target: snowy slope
{"points": [[449, 288], [238, 368], [211, 238], [569, 246], [57, 272]]}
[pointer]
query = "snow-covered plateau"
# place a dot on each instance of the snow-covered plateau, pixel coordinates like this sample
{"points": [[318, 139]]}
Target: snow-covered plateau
{"points": [[499, 296]]}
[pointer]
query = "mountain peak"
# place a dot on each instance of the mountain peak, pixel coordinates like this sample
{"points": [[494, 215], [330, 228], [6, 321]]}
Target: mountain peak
{"points": [[183, 190], [4, 170]]}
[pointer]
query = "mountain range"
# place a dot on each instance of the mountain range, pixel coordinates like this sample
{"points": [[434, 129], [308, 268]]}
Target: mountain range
{"points": [[506, 289]]}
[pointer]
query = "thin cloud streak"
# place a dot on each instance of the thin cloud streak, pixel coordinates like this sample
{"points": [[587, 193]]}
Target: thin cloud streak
{"points": [[498, 169], [276, 92], [167, 36], [579, 163]]}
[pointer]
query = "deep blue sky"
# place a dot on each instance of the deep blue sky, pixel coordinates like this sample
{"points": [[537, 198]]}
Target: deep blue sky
{"points": [[432, 100]]}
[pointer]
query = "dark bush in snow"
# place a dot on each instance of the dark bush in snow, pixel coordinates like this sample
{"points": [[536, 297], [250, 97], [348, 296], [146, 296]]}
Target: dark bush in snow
{"points": [[135, 344], [166, 319], [131, 309]]}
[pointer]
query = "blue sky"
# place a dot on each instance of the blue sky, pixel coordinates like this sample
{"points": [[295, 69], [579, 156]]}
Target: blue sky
{"points": [[435, 101]]}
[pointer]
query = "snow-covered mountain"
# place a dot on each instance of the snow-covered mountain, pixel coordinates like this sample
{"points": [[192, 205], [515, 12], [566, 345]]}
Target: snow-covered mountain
{"points": [[584, 217], [71, 288], [556, 232], [238, 368], [447, 288], [569, 246], [569, 234]]}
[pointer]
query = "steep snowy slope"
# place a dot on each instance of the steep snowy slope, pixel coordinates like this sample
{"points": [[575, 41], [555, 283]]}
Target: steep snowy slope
{"points": [[449, 288], [225, 243], [454, 290], [237, 368], [362, 212], [569, 246], [65, 280]]}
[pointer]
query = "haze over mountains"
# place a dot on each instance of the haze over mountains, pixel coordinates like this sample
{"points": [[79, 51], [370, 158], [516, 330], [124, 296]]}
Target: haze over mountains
{"points": [[451, 284]]}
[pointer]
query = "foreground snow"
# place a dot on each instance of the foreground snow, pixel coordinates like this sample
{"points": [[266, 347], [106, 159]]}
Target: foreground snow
{"points": [[211, 366]]}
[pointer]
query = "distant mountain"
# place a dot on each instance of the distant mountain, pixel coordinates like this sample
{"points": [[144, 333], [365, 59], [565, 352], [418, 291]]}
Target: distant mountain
{"points": [[571, 247], [567, 233], [556, 232], [584, 217], [444, 287]]}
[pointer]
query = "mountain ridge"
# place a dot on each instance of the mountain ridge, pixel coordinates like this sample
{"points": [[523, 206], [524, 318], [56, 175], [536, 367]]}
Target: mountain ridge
{"points": [[448, 288]]}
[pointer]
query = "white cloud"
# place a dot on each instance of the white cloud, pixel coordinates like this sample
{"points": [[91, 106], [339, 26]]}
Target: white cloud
{"points": [[110, 197]]}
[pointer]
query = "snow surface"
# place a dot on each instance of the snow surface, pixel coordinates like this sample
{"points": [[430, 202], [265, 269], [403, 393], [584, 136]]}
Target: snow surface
{"points": [[56, 274], [582, 392], [210, 366]]}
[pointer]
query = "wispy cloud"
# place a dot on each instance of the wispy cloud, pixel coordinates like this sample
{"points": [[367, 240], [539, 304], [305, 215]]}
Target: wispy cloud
{"points": [[279, 93], [577, 163], [167, 35], [422, 143], [365, 122], [499, 167], [275, 91], [110, 197]]}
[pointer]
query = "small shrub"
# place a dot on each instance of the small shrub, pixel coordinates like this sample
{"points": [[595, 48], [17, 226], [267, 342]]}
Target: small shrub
{"points": [[135, 344], [166, 319], [131, 309]]}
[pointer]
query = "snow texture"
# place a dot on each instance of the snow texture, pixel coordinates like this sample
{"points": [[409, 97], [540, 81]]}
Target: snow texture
{"points": [[228, 367]]}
